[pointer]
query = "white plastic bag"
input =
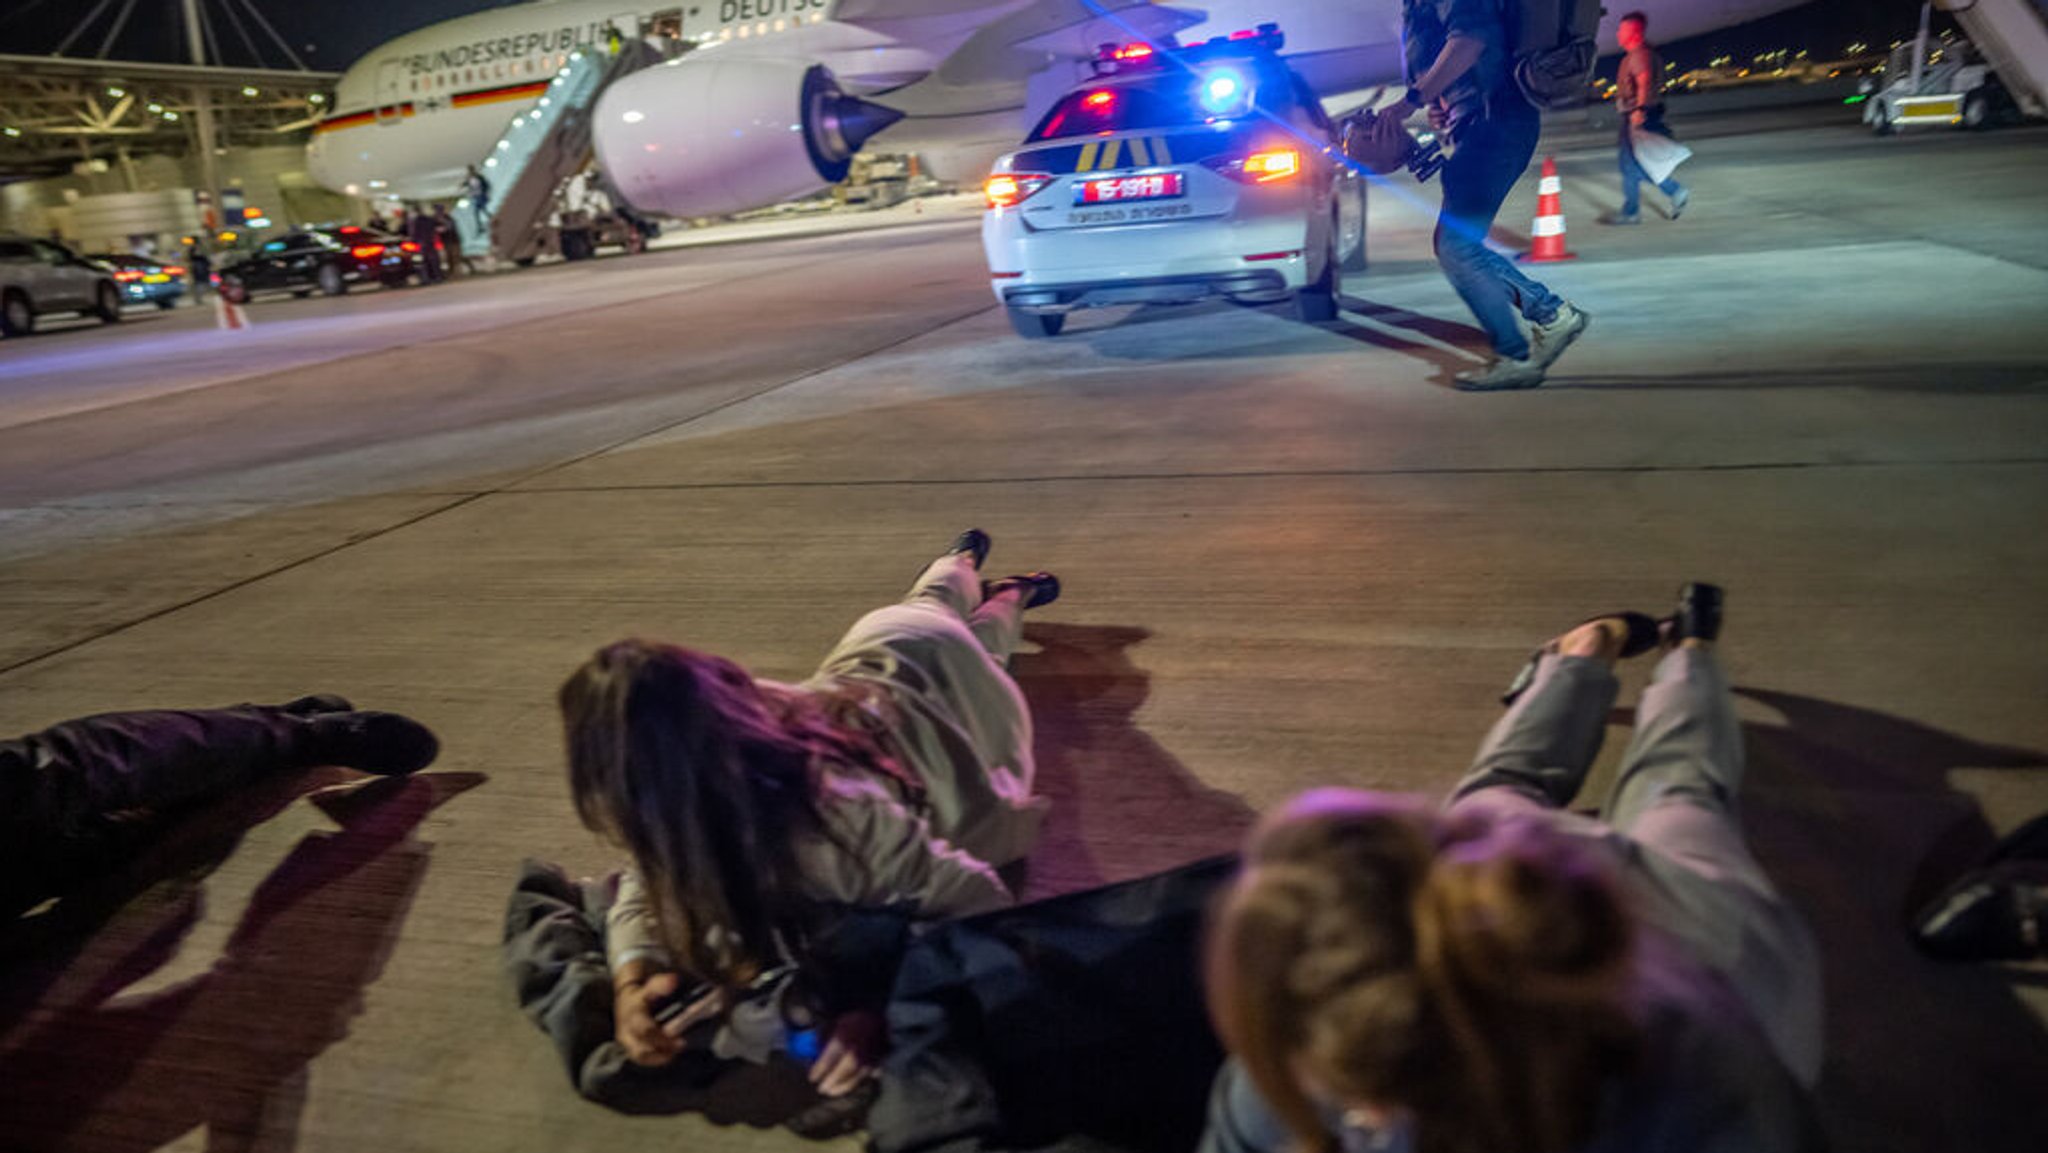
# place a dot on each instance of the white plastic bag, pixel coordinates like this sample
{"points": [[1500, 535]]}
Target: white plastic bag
{"points": [[1658, 155]]}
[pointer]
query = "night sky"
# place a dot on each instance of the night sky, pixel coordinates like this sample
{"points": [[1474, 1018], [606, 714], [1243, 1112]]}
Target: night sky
{"points": [[330, 34]]}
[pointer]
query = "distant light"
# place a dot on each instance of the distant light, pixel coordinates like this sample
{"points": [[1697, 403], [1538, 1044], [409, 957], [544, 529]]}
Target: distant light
{"points": [[156, 108], [11, 130], [170, 116], [491, 163], [504, 144], [259, 222], [316, 98], [634, 117], [249, 91], [379, 184], [117, 93]]}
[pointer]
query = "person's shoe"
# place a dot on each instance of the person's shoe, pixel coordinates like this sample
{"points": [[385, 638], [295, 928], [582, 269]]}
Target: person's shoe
{"points": [[1045, 588], [1621, 218], [1503, 375], [316, 704], [973, 541], [1992, 914], [1547, 342], [1698, 615], [1679, 202], [386, 744]]}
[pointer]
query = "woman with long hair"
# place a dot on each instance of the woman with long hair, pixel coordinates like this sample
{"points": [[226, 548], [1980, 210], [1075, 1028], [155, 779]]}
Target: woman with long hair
{"points": [[1503, 976], [898, 777]]}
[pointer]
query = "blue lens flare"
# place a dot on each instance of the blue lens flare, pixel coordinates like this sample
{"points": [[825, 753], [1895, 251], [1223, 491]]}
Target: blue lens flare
{"points": [[1222, 91]]}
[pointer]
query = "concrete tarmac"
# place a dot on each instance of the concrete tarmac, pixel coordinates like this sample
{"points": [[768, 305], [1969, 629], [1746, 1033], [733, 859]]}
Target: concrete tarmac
{"points": [[1292, 556]]}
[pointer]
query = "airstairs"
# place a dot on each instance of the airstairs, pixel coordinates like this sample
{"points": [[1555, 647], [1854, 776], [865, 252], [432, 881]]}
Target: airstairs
{"points": [[542, 148]]}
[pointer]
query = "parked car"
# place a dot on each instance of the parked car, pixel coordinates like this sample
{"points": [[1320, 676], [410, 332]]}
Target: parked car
{"points": [[328, 261], [145, 280], [40, 277]]}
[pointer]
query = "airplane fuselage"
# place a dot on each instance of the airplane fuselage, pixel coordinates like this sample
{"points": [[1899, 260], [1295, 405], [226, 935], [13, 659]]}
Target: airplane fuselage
{"points": [[412, 115]]}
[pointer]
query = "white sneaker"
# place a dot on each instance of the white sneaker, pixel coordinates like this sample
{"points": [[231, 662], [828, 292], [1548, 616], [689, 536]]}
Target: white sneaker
{"points": [[1503, 375], [1547, 342]]}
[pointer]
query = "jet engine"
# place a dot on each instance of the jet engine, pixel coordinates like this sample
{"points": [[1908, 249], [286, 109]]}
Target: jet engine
{"points": [[705, 137]]}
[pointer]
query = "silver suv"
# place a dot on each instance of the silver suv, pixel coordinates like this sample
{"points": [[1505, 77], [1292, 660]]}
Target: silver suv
{"points": [[38, 277]]}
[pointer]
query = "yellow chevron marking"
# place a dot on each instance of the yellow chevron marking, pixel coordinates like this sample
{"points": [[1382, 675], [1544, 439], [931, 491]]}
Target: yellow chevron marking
{"points": [[1087, 161], [1161, 154], [1109, 155], [1139, 155]]}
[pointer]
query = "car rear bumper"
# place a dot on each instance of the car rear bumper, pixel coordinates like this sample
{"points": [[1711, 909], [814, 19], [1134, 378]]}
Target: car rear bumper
{"points": [[1059, 270]]}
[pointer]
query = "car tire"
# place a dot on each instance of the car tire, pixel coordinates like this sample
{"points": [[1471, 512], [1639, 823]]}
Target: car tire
{"points": [[165, 305], [17, 315], [1037, 325], [301, 293], [330, 280], [107, 303], [1317, 302]]}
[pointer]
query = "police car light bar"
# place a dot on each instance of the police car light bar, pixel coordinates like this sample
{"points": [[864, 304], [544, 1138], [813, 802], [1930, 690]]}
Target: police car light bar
{"points": [[1111, 58]]}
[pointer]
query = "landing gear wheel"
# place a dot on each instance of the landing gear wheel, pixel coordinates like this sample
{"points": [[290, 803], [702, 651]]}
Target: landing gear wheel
{"points": [[1037, 325], [1316, 303], [16, 317], [1977, 112], [330, 281], [107, 304]]}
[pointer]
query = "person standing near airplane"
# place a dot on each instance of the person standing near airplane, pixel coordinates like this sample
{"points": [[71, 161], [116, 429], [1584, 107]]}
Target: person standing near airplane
{"points": [[1457, 63]]}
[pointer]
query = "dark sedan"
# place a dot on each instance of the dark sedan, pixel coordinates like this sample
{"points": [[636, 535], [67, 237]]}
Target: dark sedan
{"points": [[328, 261], [146, 281]]}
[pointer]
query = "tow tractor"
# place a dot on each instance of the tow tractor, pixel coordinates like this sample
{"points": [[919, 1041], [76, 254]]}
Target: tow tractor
{"points": [[1998, 76]]}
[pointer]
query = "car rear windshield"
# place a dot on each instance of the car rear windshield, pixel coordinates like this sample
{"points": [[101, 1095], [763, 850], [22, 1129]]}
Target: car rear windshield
{"points": [[1172, 99]]}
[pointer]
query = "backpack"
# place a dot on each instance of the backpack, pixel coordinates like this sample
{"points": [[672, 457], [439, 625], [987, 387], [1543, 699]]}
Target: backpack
{"points": [[1554, 48]]}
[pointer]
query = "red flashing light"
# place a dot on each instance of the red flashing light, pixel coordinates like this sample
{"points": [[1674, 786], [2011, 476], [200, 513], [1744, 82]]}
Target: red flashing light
{"points": [[1131, 52], [1244, 34], [366, 251], [127, 274], [408, 246], [1100, 99]]}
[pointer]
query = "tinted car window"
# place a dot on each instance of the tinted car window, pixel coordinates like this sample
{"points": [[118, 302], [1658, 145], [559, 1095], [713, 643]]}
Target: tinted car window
{"points": [[15, 250], [51, 254], [1170, 99]]}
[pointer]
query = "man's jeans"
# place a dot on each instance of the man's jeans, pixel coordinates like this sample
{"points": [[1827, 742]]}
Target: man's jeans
{"points": [[1633, 176], [1491, 154]]}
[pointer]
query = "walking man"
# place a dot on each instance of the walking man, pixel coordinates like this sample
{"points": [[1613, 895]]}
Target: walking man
{"points": [[1639, 98], [1457, 64], [421, 229]]}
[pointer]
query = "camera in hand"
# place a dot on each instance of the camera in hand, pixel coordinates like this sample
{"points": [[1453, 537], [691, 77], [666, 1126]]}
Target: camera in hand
{"points": [[1422, 154]]}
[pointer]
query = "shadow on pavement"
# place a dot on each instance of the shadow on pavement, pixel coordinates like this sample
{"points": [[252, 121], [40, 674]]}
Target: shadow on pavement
{"points": [[1122, 806], [1854, 814], [1949, 377], [229, 1049]]}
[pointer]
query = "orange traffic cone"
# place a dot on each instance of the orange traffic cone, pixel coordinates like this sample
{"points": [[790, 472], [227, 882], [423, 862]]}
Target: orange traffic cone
{"points": [[228, 314], [1548, 244]]}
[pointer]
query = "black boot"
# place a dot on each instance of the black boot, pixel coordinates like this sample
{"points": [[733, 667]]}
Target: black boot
{"points": [[383, 743]]}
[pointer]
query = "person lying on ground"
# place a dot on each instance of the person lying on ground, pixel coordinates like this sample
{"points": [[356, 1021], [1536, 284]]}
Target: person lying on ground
{"points": [[79, 798], [898, 777], [1503, 974]]}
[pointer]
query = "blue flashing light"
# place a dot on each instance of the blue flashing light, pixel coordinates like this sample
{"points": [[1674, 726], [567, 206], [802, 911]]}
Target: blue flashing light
{"points": [[806, 1045], [1222, 91]]}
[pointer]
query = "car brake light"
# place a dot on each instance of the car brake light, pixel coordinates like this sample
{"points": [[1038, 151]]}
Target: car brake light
{"points": [[174, 270], [408, 246], [128, 274], [1009, 189], [366, 251], [1267, 167]]}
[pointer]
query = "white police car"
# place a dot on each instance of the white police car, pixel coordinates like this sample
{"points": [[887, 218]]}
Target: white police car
{"points": [[1174, 175]]}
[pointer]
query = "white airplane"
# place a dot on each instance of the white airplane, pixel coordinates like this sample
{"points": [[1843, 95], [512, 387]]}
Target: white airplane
{"points": [[777, 95]]}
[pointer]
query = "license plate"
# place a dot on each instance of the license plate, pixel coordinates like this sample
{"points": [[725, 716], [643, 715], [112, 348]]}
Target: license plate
{"points": [[1120, 189], [156, 278]]}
